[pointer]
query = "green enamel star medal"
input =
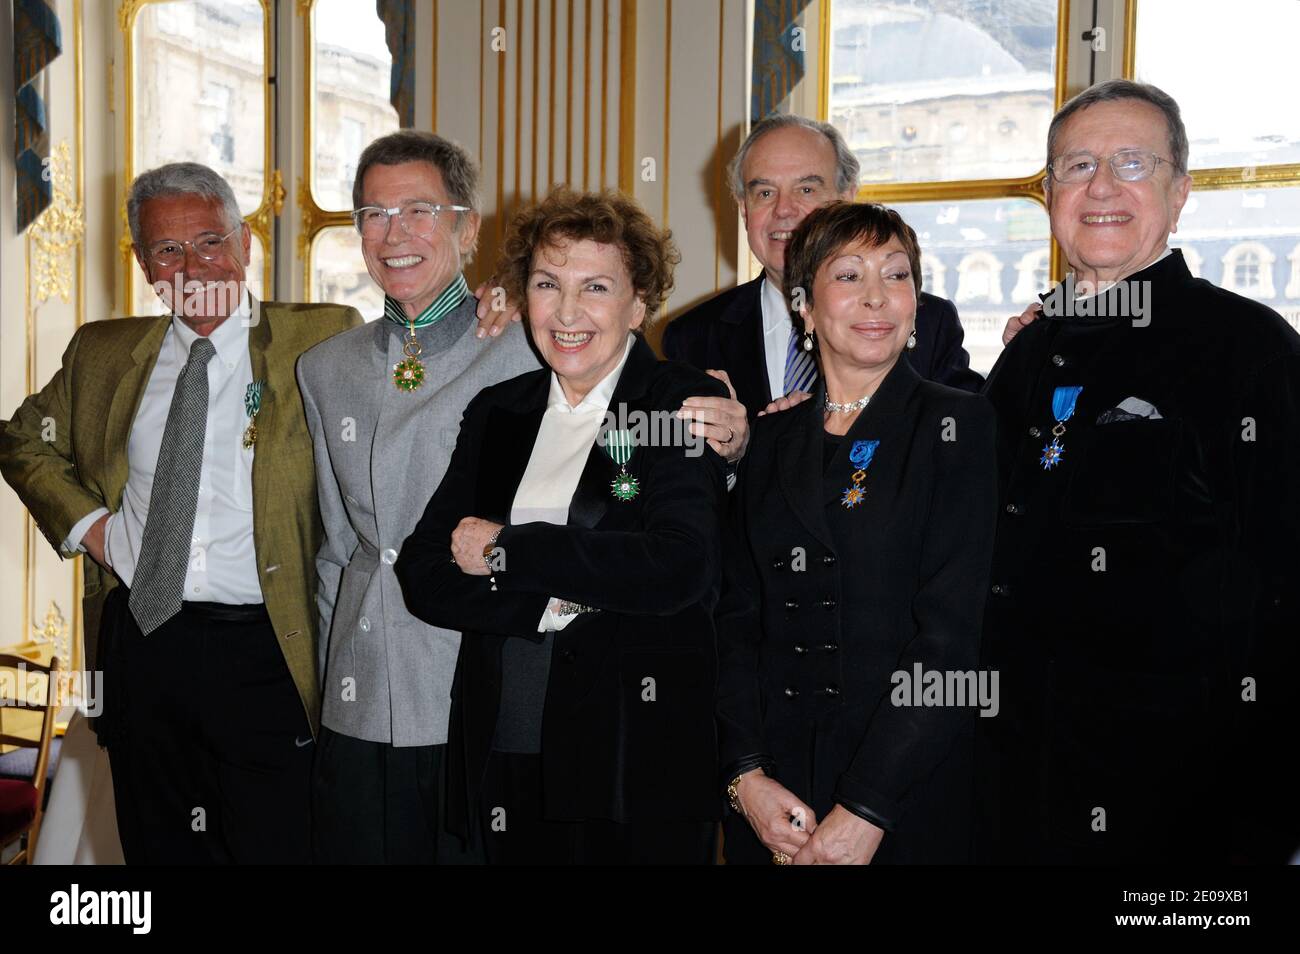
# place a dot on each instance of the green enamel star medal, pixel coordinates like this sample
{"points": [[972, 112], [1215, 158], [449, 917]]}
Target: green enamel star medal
{"points": [[618, 444], [252, 404], [408, 374]]}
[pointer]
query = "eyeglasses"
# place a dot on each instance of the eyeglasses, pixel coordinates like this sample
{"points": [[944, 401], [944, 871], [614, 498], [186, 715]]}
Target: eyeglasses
{"points": [[209, 246], [1128, 165], [417, 218]]}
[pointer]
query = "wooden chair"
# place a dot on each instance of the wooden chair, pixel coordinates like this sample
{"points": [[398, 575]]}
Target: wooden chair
{"points": [[22, 803]]}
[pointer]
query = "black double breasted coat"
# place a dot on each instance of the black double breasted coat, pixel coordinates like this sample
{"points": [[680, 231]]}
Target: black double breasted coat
{"points": [[823, 604]]}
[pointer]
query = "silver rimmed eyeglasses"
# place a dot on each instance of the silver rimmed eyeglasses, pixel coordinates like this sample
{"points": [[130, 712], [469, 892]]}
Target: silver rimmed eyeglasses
{"points": [[417, 218], [1128, 165], [208, 246]]}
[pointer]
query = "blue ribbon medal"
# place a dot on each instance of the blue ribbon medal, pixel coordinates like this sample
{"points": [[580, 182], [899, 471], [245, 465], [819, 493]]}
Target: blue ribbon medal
{"points": [[1063, 402], [860, 456]]}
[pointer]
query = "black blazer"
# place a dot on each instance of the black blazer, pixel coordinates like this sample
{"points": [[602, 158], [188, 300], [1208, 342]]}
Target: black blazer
{"points": [[726, 333], [823, 604], [1137, 583], [653, 567]]}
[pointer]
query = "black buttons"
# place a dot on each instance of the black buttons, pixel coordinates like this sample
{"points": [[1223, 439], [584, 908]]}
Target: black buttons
{"points": [[568, 655], [800, 649], [1001, 589], [828, 691], [1058, 361], [791, 692], [828, 559], [778, 564], [830, 647], [1035, 432], [828, 604], [791, 605], [1015, 508]]}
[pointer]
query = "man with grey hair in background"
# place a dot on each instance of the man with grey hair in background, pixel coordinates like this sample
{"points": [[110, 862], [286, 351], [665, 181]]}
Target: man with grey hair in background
{"points": [[1143, 613], [788, 166], [384, 404], [171, 451]]}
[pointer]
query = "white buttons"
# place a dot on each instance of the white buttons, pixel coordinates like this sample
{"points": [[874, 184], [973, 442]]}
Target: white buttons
{"points": [[389, 556], [365, 624]]}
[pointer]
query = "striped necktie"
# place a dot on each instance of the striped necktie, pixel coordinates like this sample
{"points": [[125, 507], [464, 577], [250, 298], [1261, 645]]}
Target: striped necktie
{"points": [[800, 368], [165, 547]]}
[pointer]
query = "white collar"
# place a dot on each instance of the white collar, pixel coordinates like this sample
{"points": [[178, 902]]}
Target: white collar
{"points": [[597, 398], [229, 338], [776, 311]]}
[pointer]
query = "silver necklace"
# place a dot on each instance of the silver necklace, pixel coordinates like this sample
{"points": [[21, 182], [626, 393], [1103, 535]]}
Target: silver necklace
{"points": [[849, 408]]}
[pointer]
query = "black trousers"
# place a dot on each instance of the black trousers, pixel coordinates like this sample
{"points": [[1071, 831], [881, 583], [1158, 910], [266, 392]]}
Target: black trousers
{"points": [[374, 803], [207, 739], [515, 833]]}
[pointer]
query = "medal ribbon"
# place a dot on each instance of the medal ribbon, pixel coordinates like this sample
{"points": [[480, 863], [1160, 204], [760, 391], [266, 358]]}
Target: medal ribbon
{"points": [[618, 445], [253, 398], [447, 301], [1063, 401], [860, 455]]}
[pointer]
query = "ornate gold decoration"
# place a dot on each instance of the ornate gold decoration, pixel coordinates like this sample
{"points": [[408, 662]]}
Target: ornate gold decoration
{"points": [[314, 219], [125, 244], [277, 192], [55, 630], [57, 231], [272, 205], [126, 11]]}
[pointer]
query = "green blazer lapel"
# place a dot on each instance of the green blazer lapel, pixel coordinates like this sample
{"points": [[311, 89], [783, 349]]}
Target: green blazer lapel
{"points": [[128, 391]]}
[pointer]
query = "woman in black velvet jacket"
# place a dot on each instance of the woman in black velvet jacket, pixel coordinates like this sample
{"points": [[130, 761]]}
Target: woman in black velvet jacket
{"points": [[583, 578]]}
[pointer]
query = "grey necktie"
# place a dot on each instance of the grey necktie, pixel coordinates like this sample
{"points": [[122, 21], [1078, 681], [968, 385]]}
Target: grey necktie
{"points": [[165, 549]]}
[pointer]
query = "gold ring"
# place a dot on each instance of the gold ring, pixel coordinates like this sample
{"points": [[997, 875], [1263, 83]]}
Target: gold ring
{"points": [[780, 858]]}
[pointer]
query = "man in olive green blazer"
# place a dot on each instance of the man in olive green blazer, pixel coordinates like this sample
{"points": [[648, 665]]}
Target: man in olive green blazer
{"points": [[199, 739], [89, 405]]}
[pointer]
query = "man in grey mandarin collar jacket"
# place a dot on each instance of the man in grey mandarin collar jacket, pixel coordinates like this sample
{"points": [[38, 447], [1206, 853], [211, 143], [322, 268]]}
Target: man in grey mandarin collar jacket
{"points": [[384, 424]]}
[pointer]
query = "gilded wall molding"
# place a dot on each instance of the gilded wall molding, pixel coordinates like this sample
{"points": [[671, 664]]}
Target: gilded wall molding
{"points": [[58, 231]]}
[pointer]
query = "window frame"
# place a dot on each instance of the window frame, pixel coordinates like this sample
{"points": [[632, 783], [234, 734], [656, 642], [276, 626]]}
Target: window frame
{"points": [[259, 221], [1024, 187], [313, 220]]}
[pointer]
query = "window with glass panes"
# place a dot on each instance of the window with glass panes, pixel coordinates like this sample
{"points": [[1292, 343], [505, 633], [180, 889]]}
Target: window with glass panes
{"points": [[946, 105], [1242, 221]]}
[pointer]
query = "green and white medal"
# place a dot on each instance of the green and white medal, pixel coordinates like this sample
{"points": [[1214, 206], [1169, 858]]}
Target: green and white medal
{"points": [[618, 444], [252, 404]]}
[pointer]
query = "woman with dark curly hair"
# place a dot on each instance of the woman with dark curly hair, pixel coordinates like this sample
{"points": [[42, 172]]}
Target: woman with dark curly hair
{"points": [[575, 541]]}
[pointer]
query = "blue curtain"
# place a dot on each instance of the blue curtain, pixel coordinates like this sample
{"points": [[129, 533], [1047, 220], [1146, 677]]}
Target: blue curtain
{"points": [[778, 66], [399, 30], [37, 41]]}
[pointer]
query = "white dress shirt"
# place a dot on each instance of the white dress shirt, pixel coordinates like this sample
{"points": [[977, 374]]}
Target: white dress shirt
{"points": [[223, 563], [777, 325], [560, 452]]}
